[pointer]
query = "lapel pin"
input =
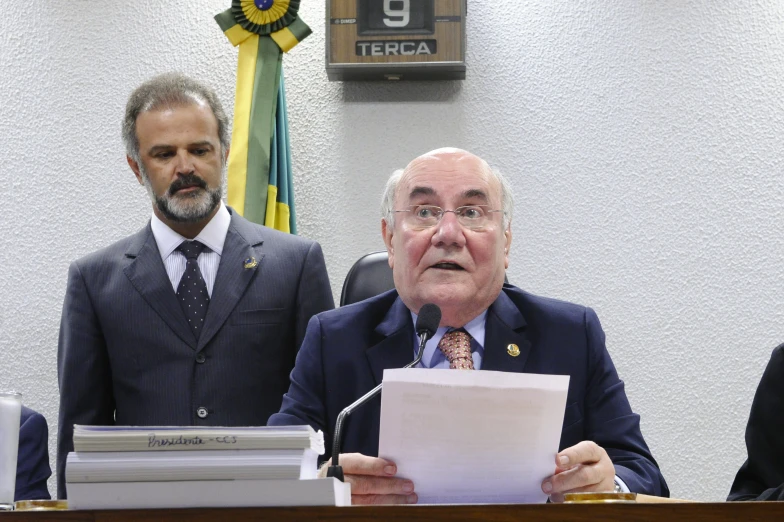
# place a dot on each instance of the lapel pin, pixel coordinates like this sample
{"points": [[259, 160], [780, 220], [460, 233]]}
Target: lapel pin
{"points": [[513, 350], [250, 263]]}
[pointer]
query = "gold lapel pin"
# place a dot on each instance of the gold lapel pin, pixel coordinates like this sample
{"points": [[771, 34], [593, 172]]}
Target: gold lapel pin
{"points": [[251, 263], [513, 350]]}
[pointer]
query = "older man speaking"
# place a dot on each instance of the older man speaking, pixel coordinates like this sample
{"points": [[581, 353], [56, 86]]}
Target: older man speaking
{"points": [[446, 225]]}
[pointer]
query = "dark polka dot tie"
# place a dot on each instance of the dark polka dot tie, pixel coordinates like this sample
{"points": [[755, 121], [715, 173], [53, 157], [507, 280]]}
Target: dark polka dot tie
{"points": [[192, 290], [456, 346]]}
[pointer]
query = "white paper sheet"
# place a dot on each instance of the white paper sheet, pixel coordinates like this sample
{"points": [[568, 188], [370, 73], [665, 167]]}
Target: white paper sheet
{"points": [[472, 436], [10, 415]]}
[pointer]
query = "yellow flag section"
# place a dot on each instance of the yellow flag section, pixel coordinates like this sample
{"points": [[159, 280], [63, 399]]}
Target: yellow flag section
{"points": [[243, 98]]}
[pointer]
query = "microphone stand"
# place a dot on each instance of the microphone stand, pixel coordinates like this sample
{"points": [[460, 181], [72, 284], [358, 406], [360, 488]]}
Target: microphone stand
{"points": [[335, 470]]}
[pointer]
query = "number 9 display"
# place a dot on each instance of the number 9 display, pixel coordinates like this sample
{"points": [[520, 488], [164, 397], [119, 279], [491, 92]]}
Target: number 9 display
{"points": [[403, 14]]}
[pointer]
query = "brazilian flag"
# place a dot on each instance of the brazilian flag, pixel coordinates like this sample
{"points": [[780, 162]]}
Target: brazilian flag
{"points": [[259, 170]]}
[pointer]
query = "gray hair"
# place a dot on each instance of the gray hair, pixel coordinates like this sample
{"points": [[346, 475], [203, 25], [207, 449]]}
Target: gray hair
{"points": [[388, 199], [168, 91]]}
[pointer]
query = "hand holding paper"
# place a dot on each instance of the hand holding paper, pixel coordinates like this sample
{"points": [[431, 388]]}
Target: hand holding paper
{"points": [[373, 480], [582, 467]]}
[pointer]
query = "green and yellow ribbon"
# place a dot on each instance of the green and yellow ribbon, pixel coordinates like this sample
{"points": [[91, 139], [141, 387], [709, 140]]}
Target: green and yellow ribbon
{"points": [[263, 30]]}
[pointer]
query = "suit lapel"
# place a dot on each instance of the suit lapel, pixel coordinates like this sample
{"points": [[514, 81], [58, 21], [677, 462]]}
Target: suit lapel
{"points": [[396, 349], [148, 275], [243, 241], [505, 325]]}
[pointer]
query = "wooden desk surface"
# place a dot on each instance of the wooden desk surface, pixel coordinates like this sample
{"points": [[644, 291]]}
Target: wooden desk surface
{"points": [[695, 512]]}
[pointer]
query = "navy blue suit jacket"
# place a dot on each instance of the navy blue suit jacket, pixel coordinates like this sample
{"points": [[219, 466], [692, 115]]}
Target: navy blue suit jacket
{"points": [[127, 356], [346, 350], [32, 463]]}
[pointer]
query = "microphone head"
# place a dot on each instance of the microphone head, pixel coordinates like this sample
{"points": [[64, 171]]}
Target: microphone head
{"points": [[427, 320]]}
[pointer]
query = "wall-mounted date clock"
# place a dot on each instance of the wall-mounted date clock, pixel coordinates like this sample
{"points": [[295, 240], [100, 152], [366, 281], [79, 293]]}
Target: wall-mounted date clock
{"points": [[396, 39]]}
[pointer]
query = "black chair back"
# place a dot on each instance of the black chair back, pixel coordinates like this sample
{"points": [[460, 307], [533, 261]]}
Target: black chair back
{"points": [[369, 277]]}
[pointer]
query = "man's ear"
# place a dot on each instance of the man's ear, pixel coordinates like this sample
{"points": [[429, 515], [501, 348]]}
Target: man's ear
{"points": [[135, 168], [386, 233]]}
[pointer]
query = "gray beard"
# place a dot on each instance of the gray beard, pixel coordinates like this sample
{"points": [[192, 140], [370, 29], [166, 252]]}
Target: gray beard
{"points": [[184, 208]]}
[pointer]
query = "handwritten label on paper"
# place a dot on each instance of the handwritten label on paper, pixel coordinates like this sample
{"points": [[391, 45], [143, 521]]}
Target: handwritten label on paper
{"points": [[153, 441]]}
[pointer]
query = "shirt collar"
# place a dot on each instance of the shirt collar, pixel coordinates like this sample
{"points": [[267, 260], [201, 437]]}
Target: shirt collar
{"points": [[475, 328], [213, 235]]}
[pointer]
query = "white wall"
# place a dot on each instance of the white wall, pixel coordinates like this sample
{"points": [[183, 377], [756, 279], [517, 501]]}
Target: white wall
{"points": [[643, 140]]}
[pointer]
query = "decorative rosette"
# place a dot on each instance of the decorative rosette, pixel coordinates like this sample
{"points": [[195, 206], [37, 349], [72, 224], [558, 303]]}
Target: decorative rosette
{"points": [[264, 17]]}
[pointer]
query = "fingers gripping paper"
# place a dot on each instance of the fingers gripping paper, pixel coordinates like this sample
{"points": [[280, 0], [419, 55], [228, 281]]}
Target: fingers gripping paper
{"points": [[472, 437]]}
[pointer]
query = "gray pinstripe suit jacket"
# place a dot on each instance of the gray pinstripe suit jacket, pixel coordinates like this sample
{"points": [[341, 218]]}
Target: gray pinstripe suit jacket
{"points": [[126, 355]]}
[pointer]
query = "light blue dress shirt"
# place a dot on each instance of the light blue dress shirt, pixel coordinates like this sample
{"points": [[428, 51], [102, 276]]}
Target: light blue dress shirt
{"points": [[435, 358]]}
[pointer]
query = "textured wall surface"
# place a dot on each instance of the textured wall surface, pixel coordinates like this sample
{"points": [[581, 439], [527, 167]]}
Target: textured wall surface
{"points": [[643, 140]]}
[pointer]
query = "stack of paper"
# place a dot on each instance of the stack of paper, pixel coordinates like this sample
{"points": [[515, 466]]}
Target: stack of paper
{"points": [[115, 467]]}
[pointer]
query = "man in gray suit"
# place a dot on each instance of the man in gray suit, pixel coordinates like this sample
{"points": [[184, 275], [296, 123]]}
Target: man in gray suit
{"points": [[197, 318]]}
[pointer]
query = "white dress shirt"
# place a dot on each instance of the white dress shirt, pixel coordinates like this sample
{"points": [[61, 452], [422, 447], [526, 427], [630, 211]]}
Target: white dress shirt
{"points": [[213, 235]]}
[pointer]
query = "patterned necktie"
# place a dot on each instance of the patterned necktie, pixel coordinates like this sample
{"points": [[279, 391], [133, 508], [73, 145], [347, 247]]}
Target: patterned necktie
{"points": [[456, 345], [192, 290]]}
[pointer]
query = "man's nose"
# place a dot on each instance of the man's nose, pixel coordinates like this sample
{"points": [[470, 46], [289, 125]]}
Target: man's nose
{"points": [[184, 164], [449, 231]]}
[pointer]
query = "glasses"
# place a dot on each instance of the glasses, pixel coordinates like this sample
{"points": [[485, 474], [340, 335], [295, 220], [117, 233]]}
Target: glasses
{"points": [[474, 217]]}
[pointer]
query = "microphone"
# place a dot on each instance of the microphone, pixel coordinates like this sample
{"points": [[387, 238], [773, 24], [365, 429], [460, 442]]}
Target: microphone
{"points": [[427, 323]]}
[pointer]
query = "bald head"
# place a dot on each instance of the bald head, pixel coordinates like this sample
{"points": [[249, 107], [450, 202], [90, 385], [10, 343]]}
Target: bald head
{"points": [[456, 158]]}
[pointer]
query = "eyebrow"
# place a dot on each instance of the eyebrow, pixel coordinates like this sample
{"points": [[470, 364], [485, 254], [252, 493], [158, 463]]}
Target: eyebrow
{"points": [[160, 148], [204, 143], [475, 193], [421, 191]]}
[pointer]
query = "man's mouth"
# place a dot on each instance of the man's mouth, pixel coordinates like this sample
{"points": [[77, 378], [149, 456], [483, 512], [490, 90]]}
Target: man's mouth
{"points": [[448, 265], [187, 184]]}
